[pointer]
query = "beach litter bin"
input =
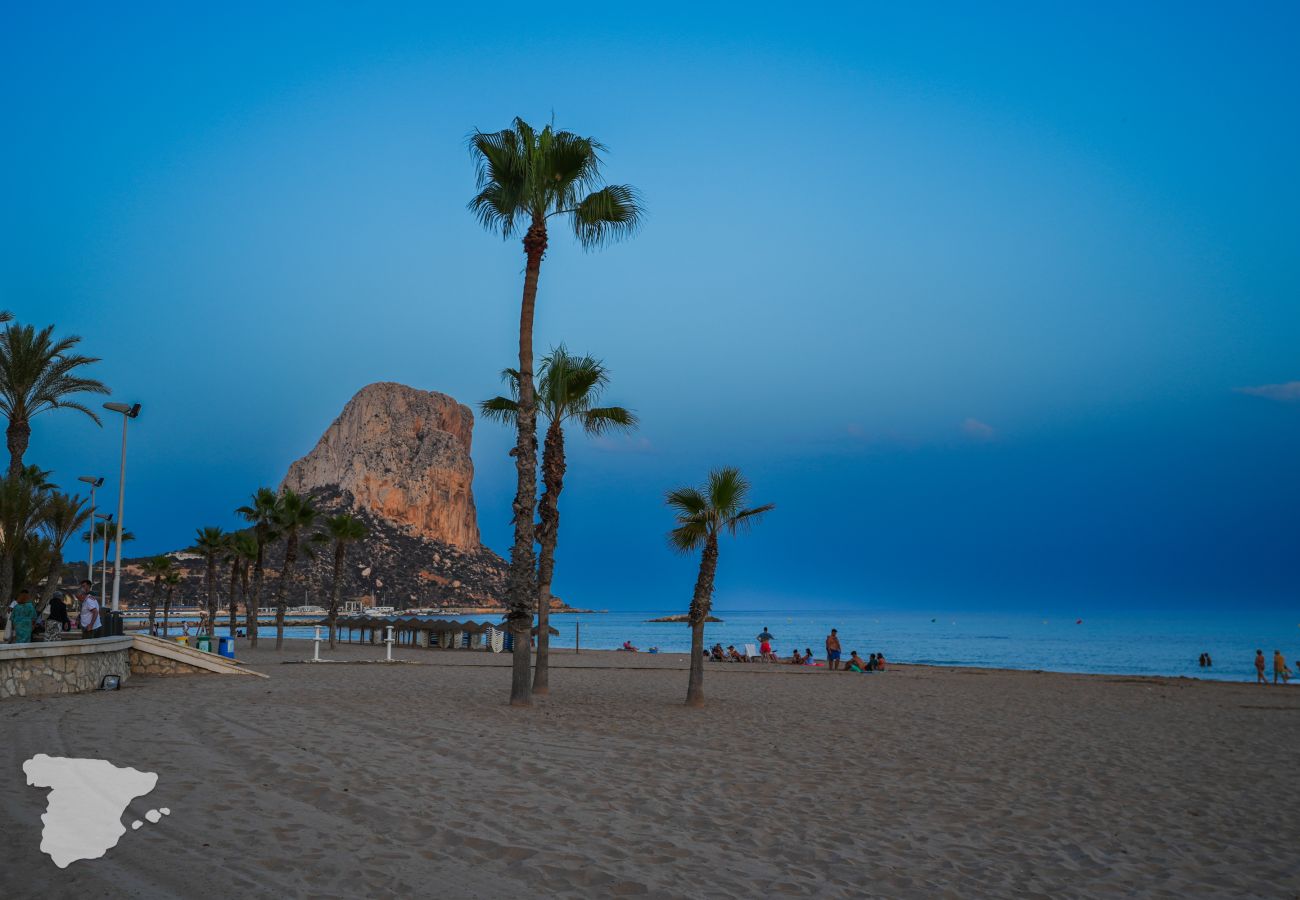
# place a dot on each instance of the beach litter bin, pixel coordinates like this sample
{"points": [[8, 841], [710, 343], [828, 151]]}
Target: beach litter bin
{"points": [[226, 647], [205, 643]]}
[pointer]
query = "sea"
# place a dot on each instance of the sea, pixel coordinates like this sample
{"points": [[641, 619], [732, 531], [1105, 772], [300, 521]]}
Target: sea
{"points": [[1118, 644]]}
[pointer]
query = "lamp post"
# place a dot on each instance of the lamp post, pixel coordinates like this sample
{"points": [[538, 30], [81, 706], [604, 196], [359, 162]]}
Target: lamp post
{"points": [[128, 412], [107, 519], [94, 483]]}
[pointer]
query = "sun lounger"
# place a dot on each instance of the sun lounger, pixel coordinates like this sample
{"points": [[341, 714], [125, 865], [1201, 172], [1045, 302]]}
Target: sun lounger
{"points": [[752, 653]]}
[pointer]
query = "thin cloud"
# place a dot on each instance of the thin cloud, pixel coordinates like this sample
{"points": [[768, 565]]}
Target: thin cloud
{"points": [[979, 431], [1288, 392]]}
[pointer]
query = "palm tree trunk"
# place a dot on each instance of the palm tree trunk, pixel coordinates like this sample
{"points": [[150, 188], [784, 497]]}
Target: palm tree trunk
{"points": [[17, 436], [336, 590], [234, 580], [212, 594], [250, 613], [548, 533], [258, 572], [51, 582], [701, 603], [167, 613], [153, 601], [521, 580], [290, 556]]}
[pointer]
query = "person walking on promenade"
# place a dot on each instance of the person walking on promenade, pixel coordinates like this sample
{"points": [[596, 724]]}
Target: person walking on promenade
{"points": [[88, 617], [833, 650]]}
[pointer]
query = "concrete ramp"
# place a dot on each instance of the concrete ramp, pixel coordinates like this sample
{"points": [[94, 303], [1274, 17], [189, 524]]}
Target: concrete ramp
{"points": [[156, 656]]}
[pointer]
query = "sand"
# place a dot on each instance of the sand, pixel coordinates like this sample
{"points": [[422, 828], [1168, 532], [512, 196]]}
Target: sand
{"points": [[418, 780]]}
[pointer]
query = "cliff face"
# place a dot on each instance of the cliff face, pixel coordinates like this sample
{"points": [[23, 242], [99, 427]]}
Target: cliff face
{"points": [[403, 455]]}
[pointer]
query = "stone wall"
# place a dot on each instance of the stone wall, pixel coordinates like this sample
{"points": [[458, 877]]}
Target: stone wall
{"points": [[63, 667], [151, 664]]}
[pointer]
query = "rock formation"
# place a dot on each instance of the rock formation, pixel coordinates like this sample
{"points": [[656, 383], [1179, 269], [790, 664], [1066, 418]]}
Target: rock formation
{"points": [[402, 454]]}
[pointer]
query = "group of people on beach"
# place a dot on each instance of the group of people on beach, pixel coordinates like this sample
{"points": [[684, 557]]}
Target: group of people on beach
{"points": [[855, 663], [1281, 672], [24, 623]]}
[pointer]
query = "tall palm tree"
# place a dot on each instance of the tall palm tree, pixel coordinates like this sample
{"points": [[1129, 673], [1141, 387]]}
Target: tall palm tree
{"points": [[242, 551], [569, 387], [61, 516], [158, 569], [209, 543], [260, 513], [295, 516], [171, 580], [702, 514], [343, 529], [525, 178], [39, 373]]}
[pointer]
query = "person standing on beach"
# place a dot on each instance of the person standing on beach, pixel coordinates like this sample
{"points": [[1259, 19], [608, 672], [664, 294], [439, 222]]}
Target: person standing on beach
{"points": [[765, 646], [833, 650], [1279, 668], [1259, 667], [88, 617]]}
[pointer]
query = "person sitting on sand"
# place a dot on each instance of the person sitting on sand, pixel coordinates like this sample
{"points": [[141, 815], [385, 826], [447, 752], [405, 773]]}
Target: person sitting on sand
{"points": [[795, 658], [1259, 667], [734, 655], [1280, 669], [718, 653], [880, 662], [871, 663], [855, 663], [808, 658], [627, 645]]}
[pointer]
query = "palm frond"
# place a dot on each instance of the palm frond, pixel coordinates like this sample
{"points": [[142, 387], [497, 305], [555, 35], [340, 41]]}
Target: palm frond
{"points": [[500, 409], [607, 215], [748, 518], [605, 419]]}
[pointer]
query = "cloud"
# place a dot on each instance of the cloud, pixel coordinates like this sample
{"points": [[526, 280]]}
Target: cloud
{"points": [[979, 431], [1289, 392]]}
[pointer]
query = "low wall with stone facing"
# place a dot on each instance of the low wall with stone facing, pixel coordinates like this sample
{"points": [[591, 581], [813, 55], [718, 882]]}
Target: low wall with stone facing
{"points": [[63, 667], [152, 664]]}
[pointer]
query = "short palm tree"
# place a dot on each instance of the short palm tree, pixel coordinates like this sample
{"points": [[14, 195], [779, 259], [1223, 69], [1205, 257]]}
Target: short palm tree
{"points": [[209, 543], [703, 513], [295, 516], [170, 581], [526, 178], [343, 529], [158, 569], [241, 551], [260, 513], [569, 387], [23, 495], [39, 373], [60, 517]]}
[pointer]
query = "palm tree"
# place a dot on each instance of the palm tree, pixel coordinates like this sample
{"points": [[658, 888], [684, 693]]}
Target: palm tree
{"points": [[23, 495], [209, 543], [702, 514], [170, 580], [569, 387], [61, 515], [260, 512], [295, 516], [526, 177], [343, 530], [39, 373], [158, 569], [241, 551]]}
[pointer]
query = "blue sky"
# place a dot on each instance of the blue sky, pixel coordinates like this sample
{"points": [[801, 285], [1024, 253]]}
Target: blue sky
{"points": [[969, 294]]}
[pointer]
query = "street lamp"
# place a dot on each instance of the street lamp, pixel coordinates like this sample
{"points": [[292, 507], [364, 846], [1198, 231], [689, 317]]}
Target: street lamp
{"points": [[128, 412], [107, 519], [94, 483]]}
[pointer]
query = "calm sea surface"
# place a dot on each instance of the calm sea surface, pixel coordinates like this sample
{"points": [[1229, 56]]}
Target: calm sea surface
{"points": [[1137, 645]]}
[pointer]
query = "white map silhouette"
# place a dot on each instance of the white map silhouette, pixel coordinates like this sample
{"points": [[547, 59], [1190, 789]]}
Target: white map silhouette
{"points": [[83, 813]]}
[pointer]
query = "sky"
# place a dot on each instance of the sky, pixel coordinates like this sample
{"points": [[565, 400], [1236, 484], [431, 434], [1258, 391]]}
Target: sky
{"points": [[999, 307]]}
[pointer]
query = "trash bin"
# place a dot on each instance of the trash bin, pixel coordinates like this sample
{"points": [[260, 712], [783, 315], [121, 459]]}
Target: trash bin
{"points": [[112, 624], [204, 643], [226, 648], [183, 640]]}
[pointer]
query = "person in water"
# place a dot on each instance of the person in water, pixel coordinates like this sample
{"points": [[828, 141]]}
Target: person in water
{"points": [[1260, 665]]}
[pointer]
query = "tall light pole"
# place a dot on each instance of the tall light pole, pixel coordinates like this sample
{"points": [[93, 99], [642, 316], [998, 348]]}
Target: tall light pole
{"points": [[128, 413], [94, 483], [107, 519]]}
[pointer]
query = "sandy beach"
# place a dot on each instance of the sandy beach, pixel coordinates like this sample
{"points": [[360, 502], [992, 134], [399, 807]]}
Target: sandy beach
{"points": [[418, 780]]}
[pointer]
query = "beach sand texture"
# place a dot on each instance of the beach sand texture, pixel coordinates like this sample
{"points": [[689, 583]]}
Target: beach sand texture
{"points": [[418, 780]]}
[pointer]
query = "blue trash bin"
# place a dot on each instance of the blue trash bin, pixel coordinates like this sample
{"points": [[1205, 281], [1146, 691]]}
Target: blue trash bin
{"points": [[226, 648]]}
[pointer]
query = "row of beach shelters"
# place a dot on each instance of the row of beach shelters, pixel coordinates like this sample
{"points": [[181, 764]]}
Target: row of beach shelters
{"points": [[413, 631]]}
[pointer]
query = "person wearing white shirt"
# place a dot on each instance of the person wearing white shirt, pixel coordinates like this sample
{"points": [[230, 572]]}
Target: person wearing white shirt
{"points": [[88, 617]]}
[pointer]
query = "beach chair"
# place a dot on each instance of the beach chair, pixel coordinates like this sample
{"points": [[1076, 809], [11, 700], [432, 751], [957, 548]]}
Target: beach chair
{"points": [[752, 653]]}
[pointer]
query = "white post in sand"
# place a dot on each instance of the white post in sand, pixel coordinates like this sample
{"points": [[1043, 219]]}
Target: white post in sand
{"points": [[389, 642], [316, 657]]}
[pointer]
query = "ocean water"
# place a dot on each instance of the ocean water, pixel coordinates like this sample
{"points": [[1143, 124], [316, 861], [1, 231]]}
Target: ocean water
{"points": [[1166, 644]]}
